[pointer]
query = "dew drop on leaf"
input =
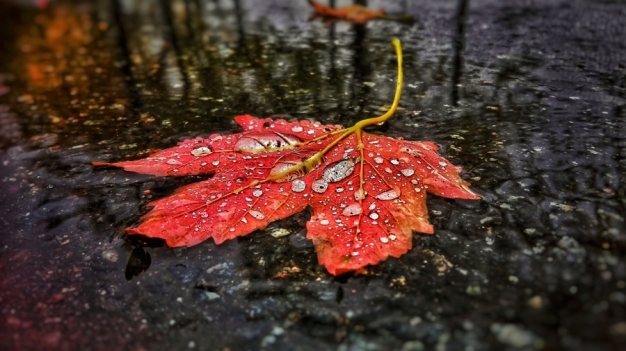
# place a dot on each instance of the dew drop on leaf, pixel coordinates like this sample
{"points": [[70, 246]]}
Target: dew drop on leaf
{"points": [[358, 195], [379, 160], [257, 192], [324, 222], [320, 186], [352, 210], [373, 215], [298, 186], [407, 172], [201, 151], [296, 129], [265, 141], [256, 214], [339, 171], [388, 195], [384, 239]]}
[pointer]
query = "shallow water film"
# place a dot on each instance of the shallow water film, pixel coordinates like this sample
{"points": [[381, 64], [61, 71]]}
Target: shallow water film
{"points": [[529, 97]]}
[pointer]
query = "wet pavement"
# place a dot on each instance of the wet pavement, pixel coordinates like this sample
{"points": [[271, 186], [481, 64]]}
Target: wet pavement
{"points": [[530, 98]]}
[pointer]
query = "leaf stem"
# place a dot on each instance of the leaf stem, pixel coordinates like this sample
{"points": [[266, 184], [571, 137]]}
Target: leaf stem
{"points": [[396, 100], [316, 159]]}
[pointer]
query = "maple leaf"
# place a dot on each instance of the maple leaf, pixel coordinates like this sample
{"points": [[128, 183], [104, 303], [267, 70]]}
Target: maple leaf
{"points": [[367, 192], [354, 13]]}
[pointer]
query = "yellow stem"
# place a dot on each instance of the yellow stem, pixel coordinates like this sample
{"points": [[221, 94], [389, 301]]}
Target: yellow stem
{"points": [[314, 160], [396, 100]]}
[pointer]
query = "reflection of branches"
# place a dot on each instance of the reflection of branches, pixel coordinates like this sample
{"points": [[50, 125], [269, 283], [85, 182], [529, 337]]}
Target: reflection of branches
{"points": [[173, 39], [332, 53], [242, 34], [362, 68], [459, 44], [122, 41]]}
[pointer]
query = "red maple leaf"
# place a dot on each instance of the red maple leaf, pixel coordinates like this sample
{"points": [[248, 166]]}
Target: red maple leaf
{"points": [[354, 13], [367, 192]]}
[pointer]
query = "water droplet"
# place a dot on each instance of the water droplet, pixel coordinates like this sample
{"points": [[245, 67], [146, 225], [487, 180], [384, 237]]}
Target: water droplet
{"points": [[417, 190], [215, 163], [414, 181], [339, 190], [388, 195], [172, 161], [392, 237], [256, 142], [201, 151], [257, 193], [372, 206], [298, 186], [352, 210], [324, 222], [384, 239], [358, 196], [310, 131], [394, 162], [320, 186], [407, 172], [256, 214], [379, 160], [339, 171], [442, 164], [296, 129], [373, 215], [355, 253]]}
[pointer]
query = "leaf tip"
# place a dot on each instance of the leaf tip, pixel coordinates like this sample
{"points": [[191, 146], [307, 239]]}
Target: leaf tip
{"points": [[101, 164], [472, 195]]}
